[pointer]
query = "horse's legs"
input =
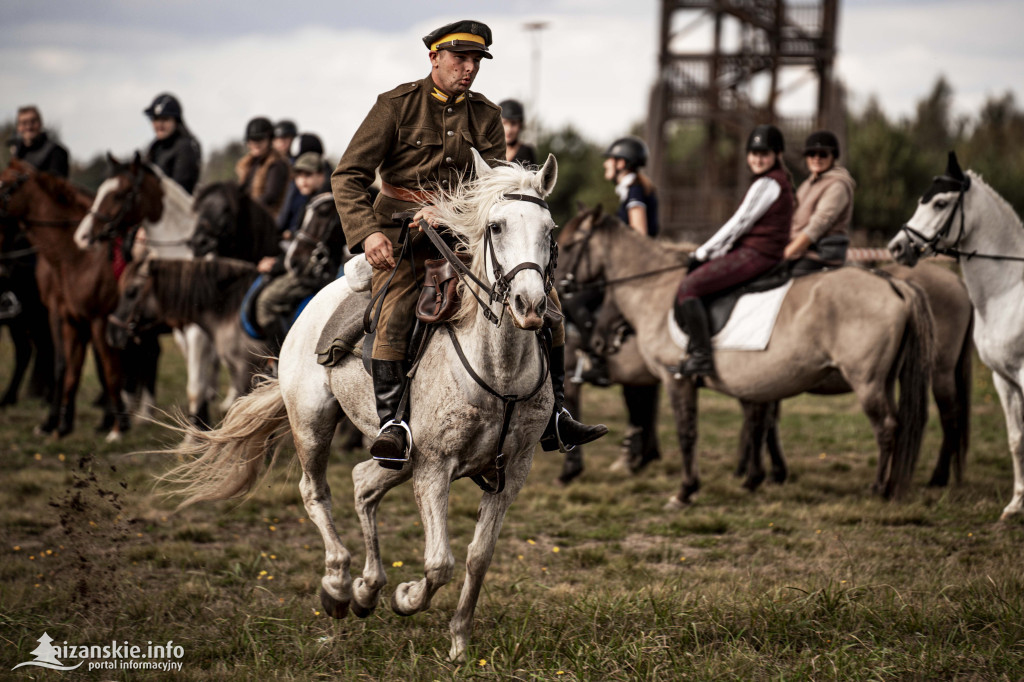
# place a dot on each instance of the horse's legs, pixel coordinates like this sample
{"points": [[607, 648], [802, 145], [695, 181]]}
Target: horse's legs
{"points": [[683, 397], [74, 353], [642, 408], [312, 435], [489, 519], [755, 416], [22, 355], [944, 391], [1013, 404], [201, 363], [780, 471], [432, 485], [877, 403], [372, 483], [110, 367]]}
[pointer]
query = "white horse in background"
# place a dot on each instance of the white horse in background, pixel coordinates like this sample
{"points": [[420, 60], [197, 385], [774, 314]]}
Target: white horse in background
{"points": [[962, 216], [456, 424], [139, 193]]}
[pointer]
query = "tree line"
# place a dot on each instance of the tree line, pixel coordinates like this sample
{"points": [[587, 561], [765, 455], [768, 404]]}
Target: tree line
{"points": [[892, 159]]}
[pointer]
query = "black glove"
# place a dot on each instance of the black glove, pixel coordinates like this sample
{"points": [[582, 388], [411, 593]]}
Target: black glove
{"points": [[694, 264]]}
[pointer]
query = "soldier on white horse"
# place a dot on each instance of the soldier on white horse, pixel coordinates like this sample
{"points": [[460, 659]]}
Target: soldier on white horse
{"points": [[420, 135]]}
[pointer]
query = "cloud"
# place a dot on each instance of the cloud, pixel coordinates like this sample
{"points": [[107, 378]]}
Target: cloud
{"points": [[92, 70]]}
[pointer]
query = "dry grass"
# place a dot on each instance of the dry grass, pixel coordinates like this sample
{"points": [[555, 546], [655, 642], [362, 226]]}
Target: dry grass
{"points": [[811, 580]]}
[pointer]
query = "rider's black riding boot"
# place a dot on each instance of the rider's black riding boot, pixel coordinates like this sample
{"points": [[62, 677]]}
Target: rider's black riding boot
{"points": [[389, 447], [692, 317], [569, 431]]}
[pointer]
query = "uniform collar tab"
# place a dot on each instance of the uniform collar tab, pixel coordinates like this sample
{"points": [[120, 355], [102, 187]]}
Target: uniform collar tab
{"points": [[443, 98]]}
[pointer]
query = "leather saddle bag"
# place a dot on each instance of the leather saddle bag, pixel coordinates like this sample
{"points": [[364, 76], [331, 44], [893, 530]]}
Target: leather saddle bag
{"points": [[439, 299]]}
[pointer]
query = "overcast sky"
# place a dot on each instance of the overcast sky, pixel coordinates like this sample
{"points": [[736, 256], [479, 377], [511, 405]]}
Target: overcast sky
{"points": [[92, 66]]}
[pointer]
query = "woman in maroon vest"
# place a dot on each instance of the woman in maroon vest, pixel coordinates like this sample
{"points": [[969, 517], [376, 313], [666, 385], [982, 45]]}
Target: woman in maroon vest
{"points": [[749, 244]]}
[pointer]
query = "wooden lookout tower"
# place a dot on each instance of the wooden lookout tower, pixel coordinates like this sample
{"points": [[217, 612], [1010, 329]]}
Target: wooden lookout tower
{"points": [[725, 66]]}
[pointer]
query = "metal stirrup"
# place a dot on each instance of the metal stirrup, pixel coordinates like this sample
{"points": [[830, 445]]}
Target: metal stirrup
{"points": [[408, 441], [558, 436]]}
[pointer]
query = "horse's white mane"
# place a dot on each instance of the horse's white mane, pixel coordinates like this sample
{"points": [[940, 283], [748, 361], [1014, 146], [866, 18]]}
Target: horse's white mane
{"points": [[995, 196], [466, 209]]}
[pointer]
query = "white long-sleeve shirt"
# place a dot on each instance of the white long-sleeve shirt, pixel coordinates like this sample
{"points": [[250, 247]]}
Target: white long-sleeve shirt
{"points": [[759, 198]]}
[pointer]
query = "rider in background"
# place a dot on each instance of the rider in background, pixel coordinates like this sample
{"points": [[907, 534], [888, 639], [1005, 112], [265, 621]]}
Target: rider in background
{"points": [[749, 244], [638, 199], [290, 217], [263, 173], [638, 208], [34, 146], [278, 301], [512, 121], [819, 235], [285, 132], [175, 150], [309, 180], [420, 136]]}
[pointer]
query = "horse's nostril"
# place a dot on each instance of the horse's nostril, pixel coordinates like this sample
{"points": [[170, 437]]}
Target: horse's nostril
{"points": [[520, 303]]}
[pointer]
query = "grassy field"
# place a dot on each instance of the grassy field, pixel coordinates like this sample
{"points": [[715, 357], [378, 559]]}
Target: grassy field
{"points": [[812, 580]]}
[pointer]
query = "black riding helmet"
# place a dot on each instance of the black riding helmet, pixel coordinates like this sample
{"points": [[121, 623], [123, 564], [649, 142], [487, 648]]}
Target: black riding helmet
{"points": [[286, 128], [822, 140], [766, 138], [512, 110], [259, 128], [165, 105], [631, 149]]}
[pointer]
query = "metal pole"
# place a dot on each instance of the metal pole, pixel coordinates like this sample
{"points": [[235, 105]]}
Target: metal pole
{"points": [[534, 27]]}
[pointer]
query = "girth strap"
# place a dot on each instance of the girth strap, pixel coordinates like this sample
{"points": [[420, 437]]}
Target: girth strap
{"points": [[508, 409]]}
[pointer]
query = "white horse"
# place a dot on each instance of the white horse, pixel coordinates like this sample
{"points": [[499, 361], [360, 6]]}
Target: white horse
{"points": [[456, 424], [139, 193], [962, 216]]}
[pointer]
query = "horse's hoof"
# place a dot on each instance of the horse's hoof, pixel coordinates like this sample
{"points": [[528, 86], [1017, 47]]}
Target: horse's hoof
{"points": [[675, 504], [938, 481], [780, 476], [752, 483], [638, 465], [361, 611], [114, 436], [620, 465], [396, 606], [333, 607], [570, 472]]}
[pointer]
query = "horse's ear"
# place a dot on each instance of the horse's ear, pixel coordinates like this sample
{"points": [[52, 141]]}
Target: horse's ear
{"points": [[479, 165], [953, 167], [546, 177], [114, 163], [137, 159], [598, 212]]}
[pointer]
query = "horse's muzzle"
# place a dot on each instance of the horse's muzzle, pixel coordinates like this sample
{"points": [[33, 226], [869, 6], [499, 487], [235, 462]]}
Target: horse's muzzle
{"points": [[904, 250]]}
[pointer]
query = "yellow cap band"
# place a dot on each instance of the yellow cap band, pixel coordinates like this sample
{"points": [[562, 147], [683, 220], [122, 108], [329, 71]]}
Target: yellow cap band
{"points": [[459, 36]]}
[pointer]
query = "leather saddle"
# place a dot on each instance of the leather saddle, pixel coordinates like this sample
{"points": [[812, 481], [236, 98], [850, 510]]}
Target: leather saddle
{"points": [[720, 305]]}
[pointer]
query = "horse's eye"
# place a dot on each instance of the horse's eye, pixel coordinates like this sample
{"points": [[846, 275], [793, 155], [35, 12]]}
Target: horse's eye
{"points": [[132, 291], [941, 204], [495, 228]]}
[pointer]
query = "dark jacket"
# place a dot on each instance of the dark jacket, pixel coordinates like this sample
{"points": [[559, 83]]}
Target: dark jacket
{"points": [[419, 141], [179, 157], [45, 155], [770, 233]]}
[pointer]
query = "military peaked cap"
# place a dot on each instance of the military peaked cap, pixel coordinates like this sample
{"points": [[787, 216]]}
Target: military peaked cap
{"points": [[461, 36]]}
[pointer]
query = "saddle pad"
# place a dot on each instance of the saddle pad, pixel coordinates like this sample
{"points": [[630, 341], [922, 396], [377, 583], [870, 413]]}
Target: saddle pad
{"points": [[343, 333], [750, 325]]}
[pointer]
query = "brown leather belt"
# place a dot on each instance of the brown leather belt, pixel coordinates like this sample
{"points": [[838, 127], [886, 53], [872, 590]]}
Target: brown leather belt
{"points": [[402, 194]]}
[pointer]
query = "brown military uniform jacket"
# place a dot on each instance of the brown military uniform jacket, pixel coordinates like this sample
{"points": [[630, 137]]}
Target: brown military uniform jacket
{"points": [[418, 141]]}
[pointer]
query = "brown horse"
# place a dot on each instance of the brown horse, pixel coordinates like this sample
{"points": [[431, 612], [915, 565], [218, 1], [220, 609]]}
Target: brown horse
{"points": [[849, 327], [77, 286]]}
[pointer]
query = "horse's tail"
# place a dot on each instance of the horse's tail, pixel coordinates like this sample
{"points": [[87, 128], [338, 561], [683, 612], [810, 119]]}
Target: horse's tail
{"points": [[914, 366], [225, 462], [963, 379]]}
